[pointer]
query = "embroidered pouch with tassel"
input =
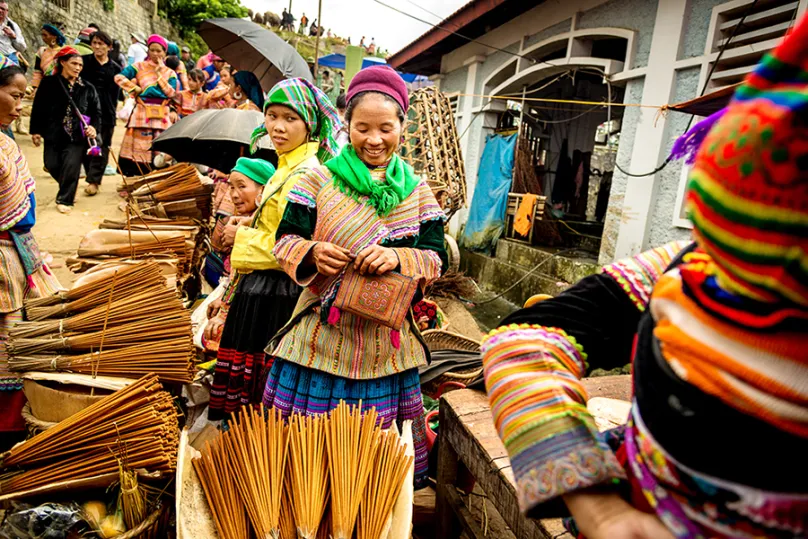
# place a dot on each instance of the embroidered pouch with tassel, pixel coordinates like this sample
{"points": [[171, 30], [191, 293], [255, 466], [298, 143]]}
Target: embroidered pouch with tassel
{"points": [[385, 299]]}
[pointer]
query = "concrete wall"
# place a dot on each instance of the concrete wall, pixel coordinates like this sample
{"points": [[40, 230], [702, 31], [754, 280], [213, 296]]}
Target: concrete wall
{"points": [[614, 213], [128, 16], [637, 15]]}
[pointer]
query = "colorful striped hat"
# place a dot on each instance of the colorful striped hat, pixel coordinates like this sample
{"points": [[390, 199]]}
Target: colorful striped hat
{"points": [[748, 189]]}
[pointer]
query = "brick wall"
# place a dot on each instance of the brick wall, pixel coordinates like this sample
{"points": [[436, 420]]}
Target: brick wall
{"points": [[128, 16]]}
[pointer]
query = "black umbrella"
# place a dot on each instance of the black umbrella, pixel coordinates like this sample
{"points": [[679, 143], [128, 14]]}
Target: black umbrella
{"points": [[216, 138], [249, 47]]}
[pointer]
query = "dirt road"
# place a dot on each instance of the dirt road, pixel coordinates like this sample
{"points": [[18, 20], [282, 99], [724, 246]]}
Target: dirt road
{"points": [[60, 234]]}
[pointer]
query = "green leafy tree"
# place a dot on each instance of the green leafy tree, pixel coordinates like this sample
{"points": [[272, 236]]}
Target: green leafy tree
{"points": [[186, 15]]}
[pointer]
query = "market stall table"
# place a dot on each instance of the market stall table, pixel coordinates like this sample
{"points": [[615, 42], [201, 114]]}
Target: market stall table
{"points": [[469, 439]]}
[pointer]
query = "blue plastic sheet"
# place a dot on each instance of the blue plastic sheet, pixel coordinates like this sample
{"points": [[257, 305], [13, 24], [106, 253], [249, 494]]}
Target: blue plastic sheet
{"points": [[486, 220]]}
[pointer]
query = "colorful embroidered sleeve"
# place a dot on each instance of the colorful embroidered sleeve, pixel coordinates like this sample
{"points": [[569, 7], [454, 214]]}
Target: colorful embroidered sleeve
{"points": [[638, 275], [532, 375], [126, 79], [427, 257]]}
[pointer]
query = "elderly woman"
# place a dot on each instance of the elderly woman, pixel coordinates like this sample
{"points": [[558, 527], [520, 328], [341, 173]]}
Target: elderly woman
{"points": [[66, 114], [45, 59], [24, 274], [244, 188], [720, 369], [365, 212], [246, 91], [153, 84], [301, 122]]}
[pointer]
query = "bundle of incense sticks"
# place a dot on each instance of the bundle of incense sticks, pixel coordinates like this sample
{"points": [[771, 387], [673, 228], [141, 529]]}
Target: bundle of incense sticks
{"points": [[129, 184], [141, 418], [308, 473], [127, 280], [147, 329], [170, 359], [152, 301], [384, 485], [219, 483], [126, 323], [344, 457], [351, 438], [257, 443]]}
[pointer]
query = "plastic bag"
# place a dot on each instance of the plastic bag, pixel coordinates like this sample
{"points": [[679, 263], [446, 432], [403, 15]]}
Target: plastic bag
{"points": [[126, 110], [46, 521]]}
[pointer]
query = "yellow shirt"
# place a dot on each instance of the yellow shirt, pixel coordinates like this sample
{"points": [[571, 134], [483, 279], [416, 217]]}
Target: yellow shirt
{"points": [[252, 249]]}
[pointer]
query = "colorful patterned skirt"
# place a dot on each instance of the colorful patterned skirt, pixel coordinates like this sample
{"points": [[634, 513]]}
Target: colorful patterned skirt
{"points": [[15, 288], [136, 156], [263, 303], [292, 388]]}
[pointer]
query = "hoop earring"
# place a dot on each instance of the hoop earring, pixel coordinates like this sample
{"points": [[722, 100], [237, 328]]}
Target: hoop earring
{"points": [[238, 96]]}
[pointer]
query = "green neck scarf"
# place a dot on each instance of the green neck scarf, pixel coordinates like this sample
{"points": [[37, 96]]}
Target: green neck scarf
{"points": [[352, 177]]}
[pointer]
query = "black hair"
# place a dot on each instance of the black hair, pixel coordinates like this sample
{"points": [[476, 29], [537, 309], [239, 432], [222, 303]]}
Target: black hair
{"points": [[341, 101], [57, 68], [172, 62], [197, 75], [102, 36], [8, 73], [93, 25], [355, 100]]}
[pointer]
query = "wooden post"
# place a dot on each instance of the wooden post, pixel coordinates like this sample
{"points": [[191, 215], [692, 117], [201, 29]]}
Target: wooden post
{"points": [[448, 523], [317, 41]]}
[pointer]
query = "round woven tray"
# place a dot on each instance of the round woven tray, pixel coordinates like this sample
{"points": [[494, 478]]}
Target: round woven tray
{"points": [[439, 339], [144, 527], [34, 424]]}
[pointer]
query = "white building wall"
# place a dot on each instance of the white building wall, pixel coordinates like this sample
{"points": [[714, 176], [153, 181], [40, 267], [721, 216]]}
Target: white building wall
{"points": [[668, 63]]}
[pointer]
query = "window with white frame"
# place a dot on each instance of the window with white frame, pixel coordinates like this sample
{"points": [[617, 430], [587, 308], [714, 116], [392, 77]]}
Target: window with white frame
{"points": [[744, 30]]}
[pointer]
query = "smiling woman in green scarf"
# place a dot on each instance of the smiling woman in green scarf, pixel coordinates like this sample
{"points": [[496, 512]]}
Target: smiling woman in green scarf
{"points": [[364, 212]]}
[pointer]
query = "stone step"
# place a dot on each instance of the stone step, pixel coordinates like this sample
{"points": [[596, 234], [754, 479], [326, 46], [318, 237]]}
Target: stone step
{"points": [[570, 267], [497, 275]]}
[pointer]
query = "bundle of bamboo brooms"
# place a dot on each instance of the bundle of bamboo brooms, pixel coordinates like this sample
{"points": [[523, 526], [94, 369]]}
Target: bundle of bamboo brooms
{"points": [[340, 472], [140, 419], [127, 323]]}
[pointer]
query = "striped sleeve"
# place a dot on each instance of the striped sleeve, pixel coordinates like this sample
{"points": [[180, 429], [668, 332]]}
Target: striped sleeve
{"points": [[532, 375], [638, 275]]}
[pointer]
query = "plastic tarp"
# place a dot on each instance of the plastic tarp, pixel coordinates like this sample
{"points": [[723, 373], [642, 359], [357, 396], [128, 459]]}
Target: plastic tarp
{"points": [[337, 61], [486, 220]]}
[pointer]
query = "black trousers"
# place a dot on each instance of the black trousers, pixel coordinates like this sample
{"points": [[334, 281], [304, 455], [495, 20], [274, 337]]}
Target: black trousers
{"points": [[95, 166], [63, 161]]}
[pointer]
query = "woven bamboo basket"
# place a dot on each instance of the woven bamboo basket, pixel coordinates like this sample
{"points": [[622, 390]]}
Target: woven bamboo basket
{"points": [[432, 147], [460, 376], [439, 339], [35, 426]]}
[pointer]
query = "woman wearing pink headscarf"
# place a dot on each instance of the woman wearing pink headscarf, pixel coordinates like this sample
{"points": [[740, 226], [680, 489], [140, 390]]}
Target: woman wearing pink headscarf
{"points": [[152, 84]]}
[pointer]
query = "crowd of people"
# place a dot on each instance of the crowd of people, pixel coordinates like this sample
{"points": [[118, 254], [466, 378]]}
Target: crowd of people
{"points": [[78, 89]]}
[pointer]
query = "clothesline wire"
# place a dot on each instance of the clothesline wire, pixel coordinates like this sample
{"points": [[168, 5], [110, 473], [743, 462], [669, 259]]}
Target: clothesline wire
{"points": [[562, 101], [422, 8], [469, 39]]}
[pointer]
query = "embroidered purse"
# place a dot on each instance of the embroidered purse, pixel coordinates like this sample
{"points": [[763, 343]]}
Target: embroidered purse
{"points": [[155, 112], [384, 299]]}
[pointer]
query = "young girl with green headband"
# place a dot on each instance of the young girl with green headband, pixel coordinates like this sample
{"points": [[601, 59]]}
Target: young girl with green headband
{"points": [[301, 122]]}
